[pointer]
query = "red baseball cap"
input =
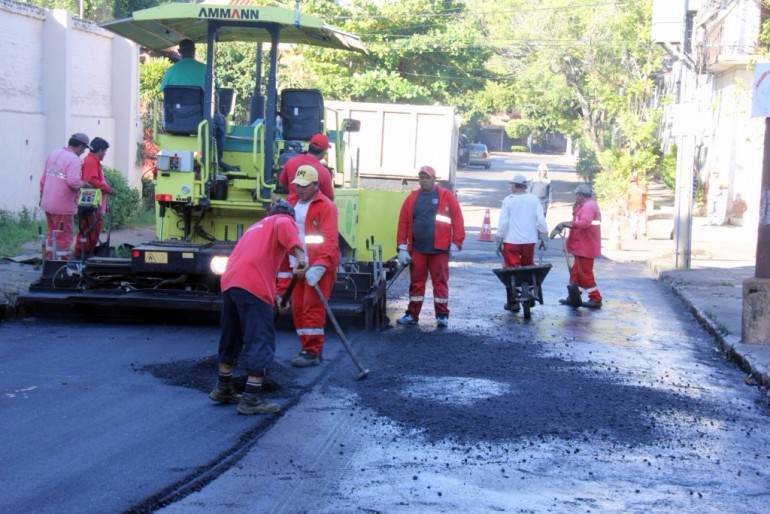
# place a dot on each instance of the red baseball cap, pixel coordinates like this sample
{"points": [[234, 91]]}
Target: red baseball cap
{"points": [[321, 141], [428, 170]]}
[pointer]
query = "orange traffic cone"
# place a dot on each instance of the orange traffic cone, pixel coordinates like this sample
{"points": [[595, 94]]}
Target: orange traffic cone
{"points": [[486, 229]]}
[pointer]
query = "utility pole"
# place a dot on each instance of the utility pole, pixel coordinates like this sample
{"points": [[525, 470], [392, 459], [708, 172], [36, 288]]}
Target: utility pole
{"points": [[755, 323], [762, 269]]}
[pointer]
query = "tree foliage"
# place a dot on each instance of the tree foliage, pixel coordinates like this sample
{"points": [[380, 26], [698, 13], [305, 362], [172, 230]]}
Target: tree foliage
{"points": [[591, 63], [98, 11]]}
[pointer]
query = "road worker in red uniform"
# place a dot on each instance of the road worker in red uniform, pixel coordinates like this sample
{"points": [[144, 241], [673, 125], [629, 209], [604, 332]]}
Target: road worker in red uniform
{"points": [[89, 219], [317, 148], [585, 243], [248, 298], [316, 217], [59, 188], [430, 230]]}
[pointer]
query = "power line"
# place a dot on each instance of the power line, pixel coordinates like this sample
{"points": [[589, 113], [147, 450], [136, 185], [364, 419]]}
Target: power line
{"points": [[463, 10]]}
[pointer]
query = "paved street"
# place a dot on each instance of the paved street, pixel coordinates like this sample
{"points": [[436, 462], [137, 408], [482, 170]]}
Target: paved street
{"points": [[631, 408]]}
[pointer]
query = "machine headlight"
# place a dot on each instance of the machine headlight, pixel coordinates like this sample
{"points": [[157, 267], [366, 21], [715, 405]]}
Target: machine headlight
{"points": [[218, 264]]}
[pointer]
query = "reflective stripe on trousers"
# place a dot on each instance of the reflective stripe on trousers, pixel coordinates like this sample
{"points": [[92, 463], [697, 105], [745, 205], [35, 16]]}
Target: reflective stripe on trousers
{"points": [[437, 266], [582, 274], [309, 313]]}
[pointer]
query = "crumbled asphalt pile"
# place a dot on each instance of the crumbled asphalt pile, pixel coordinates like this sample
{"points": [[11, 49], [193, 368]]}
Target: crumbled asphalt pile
{"points": [[470, 388], [202, 375]]}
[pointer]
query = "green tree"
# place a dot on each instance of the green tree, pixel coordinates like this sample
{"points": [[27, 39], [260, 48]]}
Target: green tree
{"points": [[590, 63], [99, 11], [421, 51]]}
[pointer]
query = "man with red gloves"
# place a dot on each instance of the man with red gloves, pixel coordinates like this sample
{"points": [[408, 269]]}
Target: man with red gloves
{"points": [[317, 148], [248, 297], [585, 243], [430, 230], [316, 217], [89, 219]]}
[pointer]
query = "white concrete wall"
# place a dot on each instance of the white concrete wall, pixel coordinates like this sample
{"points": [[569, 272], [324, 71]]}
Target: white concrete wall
{"points": [[61, 76], [714, 111], [738, 139]]}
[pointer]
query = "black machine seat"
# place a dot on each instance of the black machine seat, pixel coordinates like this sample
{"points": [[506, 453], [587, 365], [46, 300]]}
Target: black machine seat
{"points": [[302, 112], [182, 109]]}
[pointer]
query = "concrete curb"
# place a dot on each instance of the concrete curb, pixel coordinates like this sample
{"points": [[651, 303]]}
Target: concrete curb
{"points": [[729, 344]]}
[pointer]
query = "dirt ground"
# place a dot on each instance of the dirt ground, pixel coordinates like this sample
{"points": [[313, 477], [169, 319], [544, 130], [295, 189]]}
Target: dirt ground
{"points": [[18, 272]]}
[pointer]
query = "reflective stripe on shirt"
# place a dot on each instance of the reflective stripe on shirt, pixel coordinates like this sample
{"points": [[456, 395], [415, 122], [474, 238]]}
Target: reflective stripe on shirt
{"points": [[314, 239], [443, 219], [57, 174]]}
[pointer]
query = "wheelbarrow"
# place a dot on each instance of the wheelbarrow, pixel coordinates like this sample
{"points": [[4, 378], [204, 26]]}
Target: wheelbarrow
{"points": [[523, 286]]}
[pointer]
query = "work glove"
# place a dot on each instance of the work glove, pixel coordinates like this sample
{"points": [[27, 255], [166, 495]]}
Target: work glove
{"points": [[543, 241], [403, 255], [499, 246], [299, 267], [557, 230], [453, 249], [314, 274]]}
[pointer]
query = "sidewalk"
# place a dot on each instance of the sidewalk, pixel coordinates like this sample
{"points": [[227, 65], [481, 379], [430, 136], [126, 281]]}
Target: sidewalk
{"points": [[722, 258]]}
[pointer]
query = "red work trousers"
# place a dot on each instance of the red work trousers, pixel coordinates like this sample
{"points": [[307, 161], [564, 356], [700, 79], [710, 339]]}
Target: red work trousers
{"points": [[518, 254], [309, 313], [582, 274], [437, 264], [64, 224], [90, 228]]}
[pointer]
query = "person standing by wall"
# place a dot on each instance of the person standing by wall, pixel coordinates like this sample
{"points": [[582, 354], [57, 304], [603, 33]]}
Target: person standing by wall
{"points": [[430, 229], [541, 187], [316, 150], [248, 297], [317, 220], [716, 196], [90, 219], [59, 188], [636, 206], [585, 244]]}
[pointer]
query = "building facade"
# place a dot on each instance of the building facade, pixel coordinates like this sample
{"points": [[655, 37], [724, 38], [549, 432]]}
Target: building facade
{"points": [[62, 75], [713, 46]]}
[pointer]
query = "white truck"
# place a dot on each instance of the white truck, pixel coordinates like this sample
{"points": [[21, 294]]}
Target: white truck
{"points": [[395, 140]]}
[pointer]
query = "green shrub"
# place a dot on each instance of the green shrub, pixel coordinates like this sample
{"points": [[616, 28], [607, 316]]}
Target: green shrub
{"points": [[518, 128], [151, 73], [519, 148], [126, 203], [148, 194], [668, 168], [587, 165], [17, 229]]}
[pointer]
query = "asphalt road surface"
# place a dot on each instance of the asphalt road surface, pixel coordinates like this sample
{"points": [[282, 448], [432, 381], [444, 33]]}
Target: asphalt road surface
{"points": [[629, 408]]}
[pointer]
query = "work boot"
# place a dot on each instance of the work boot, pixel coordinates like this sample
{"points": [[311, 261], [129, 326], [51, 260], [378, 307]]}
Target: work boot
{"points": [[513, 306], [224, 393], [407, 319], [593, 304], [252, 403], [305, 359], [442, 320]]}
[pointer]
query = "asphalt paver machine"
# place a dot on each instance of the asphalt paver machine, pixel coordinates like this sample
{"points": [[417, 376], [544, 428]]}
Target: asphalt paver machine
{"points": [[202, 206]]}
